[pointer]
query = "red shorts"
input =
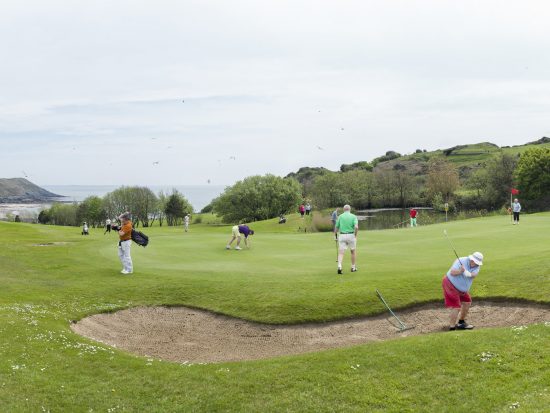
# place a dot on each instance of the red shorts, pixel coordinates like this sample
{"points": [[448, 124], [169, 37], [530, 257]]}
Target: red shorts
{"points": [[453, 297]]}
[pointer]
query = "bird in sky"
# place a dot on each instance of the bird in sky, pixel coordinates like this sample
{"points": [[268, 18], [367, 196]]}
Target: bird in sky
{"points": [[156, 162], [341, 128], [233, 158], [25, 174], [208, 181], [321, 149]]}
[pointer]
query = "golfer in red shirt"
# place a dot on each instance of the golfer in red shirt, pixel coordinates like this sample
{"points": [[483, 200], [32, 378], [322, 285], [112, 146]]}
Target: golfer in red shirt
{"points": [[413, 214]]}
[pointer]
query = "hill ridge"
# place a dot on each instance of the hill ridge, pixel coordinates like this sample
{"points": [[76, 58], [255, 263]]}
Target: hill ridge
{"points": [[21, 190]]}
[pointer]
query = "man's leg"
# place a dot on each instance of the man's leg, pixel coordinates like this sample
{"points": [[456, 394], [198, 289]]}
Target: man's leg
{"points": [[453, 316], [121, 255], [238, 240], [128, 265], [464, 310], [230, 242], [340, 258], [353, 258]]}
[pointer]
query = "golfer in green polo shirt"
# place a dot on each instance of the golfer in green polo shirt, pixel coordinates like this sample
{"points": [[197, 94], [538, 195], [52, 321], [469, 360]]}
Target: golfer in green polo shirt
{"points": [[348, 226]]}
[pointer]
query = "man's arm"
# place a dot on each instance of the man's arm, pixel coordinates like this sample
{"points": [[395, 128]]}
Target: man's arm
{"points": [[457, 268]]}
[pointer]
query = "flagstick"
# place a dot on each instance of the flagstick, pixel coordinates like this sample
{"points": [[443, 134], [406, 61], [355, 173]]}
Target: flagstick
{"points": [[511, 209]]}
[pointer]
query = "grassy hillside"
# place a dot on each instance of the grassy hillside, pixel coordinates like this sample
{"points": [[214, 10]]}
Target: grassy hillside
{"points": [[286, 277], [465, 157]]}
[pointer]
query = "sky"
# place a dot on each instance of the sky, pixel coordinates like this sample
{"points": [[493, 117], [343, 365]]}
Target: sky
{"points": [[197, 92]]}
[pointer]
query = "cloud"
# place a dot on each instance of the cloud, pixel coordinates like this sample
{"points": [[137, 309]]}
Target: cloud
{"points": [[266, 81]]}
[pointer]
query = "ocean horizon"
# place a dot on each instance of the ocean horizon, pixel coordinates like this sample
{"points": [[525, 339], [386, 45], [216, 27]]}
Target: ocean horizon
{"points": [[198, 195]]}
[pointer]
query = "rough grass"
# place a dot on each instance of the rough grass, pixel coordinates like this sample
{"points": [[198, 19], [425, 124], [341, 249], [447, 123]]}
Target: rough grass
{"points": [[287, 277]]}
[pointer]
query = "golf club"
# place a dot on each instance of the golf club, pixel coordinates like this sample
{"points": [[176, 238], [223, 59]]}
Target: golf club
{"points": [[402, 326], [451, 244]]}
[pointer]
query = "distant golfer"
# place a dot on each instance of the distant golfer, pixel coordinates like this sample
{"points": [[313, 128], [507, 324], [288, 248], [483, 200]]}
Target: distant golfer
{"points": [[456, 284], [334, 218], [85, 229], [186, 222], [237, 230], [348, 225], [107, 226], [308, 208], [413, 213], [516, 209], [302, 210], [125, 243]]}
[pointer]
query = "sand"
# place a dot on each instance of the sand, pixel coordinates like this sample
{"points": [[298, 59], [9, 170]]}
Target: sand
{"points": [[189, 335]]}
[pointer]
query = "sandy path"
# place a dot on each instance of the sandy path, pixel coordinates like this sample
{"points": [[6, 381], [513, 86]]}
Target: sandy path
{"points": [[183, 334]]}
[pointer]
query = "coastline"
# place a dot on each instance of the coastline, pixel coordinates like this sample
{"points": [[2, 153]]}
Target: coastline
{"points": [[198, 195]]}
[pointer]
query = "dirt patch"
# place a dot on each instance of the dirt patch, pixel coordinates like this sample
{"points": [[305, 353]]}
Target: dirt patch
{"points": [[49, 244], [187, 335]]}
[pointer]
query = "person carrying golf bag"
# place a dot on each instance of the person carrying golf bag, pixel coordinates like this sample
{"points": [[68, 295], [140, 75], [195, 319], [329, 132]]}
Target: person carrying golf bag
{"points": [[456, 285], [125, 243]]}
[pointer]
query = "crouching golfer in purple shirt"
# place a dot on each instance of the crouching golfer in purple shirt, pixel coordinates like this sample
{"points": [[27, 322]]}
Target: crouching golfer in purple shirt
{"points": [[237, 230]]}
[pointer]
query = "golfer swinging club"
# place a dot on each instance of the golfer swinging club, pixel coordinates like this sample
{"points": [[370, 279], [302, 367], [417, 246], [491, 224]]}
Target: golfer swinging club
{"points": [[456, 284], [348, 225]]}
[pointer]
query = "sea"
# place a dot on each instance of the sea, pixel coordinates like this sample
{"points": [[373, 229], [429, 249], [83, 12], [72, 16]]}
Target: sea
{"points": [[198, 195]]}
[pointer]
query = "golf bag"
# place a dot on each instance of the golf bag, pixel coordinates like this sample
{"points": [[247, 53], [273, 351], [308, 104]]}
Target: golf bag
{"points": [[140, 238]]}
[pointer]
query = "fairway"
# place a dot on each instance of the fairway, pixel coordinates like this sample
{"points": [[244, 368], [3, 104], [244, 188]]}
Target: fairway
{"points": [[52, 276]]}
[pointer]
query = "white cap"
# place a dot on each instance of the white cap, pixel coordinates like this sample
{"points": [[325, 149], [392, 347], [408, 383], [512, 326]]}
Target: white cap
{"points": [[477, 257]]}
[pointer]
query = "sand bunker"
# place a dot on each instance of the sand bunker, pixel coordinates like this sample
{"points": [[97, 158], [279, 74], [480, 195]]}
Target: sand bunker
{"points": [[187, 335]]}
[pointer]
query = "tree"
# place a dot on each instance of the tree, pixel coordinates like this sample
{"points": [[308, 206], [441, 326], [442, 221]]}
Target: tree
{"points": [[386, 194], [387, 157], [533, 173], [404, 184], [357, 188], [363, 165], [117, 201], [161, 206], [442, 178], [145, 203], [141, 202], [63, 214], [327, 191], [499, 179], [44, 216], [176, 208], [257, 198], [91, 210], [307, 175]]}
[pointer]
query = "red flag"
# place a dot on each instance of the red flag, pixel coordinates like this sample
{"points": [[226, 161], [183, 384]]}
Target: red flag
{"points": [[515, 191]]}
